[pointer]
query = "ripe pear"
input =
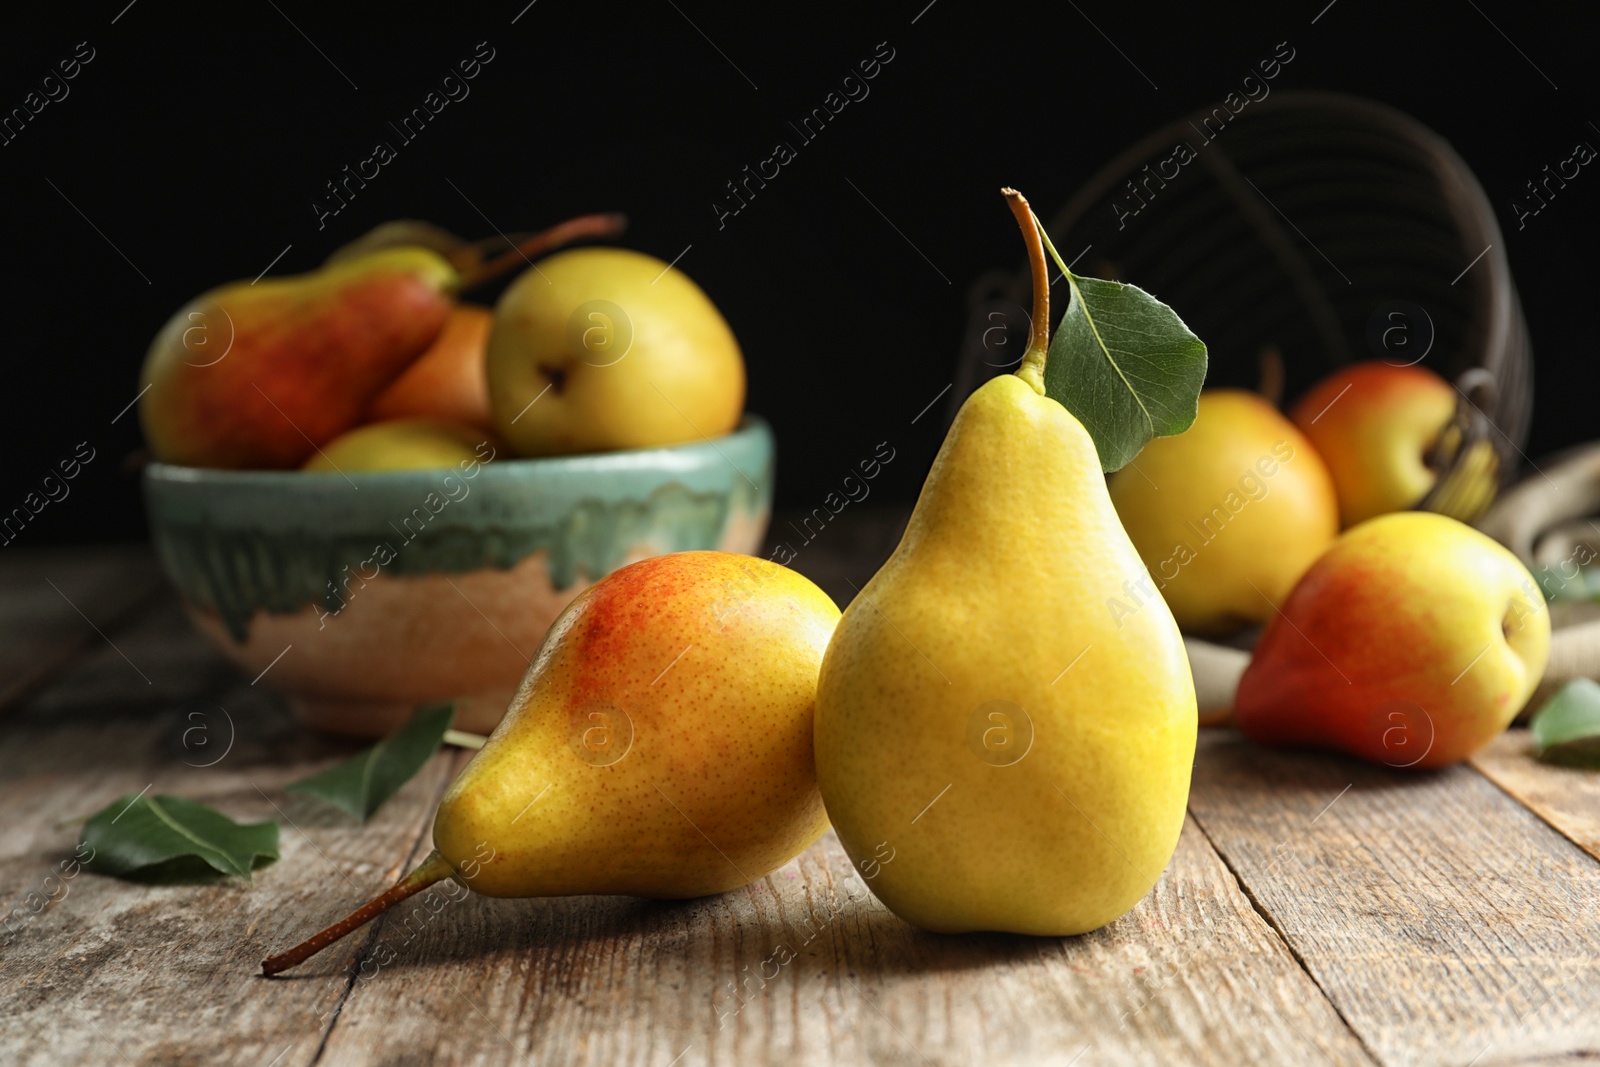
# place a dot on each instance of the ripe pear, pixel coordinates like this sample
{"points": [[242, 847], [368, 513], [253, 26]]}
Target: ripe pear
{"points": [[605, 348], [1413, 642], [449, 381], [660, 745], [1377, 424], [983, 720], [402, 445], [259, 374], [1227, 515]]}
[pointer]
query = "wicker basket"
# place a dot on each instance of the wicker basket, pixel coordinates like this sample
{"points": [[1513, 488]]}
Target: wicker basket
{"points": [[1320, 226]]}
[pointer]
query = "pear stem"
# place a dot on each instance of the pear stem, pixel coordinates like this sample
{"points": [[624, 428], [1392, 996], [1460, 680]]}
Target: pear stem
{"points": [[1032, 368], [608, 224], [433, 869], [462, 739]]}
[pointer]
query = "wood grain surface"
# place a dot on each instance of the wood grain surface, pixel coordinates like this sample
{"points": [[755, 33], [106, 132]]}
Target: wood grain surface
{"points": [[805, 967], [1565, 797], [1447, 922], [56, 602], [116, 972], [1318, 910]]}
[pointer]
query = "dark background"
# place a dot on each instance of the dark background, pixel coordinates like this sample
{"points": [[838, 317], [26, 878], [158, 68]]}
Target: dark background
{"points": [[196, 139]]}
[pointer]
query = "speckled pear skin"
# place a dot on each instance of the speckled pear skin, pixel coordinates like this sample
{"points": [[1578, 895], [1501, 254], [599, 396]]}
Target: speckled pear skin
{"points": [[998, 592], [661, 742], [1412, 643]]}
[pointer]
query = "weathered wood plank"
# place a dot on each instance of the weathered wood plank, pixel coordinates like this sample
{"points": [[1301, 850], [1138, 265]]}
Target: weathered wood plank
{"points": [[1446, 922], [805, 967], [52, 601], [117, 972], [1565, 797]]}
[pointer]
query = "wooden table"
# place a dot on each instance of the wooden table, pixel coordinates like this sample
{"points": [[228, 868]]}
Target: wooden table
{"points": [[1318, 910]]}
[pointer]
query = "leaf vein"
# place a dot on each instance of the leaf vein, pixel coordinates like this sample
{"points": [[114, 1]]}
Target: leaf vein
{"points": [[1083, 309], [188, 835]]}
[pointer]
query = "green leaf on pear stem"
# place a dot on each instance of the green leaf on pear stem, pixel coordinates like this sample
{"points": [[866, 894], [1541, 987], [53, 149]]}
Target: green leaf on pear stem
{"points": [[363, 782], [1124, 364], [173, 839], [1567, 728]]}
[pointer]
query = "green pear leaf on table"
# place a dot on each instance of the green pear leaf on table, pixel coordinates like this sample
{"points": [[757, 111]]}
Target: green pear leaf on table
{"points": [[174, 839], [1566, 729], [1124, 364], [363, 782]]}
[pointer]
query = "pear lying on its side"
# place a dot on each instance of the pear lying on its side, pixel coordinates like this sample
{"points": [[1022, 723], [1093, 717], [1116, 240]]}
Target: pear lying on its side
{"points": [[669, 713], [1413, 642], [660, 745]]}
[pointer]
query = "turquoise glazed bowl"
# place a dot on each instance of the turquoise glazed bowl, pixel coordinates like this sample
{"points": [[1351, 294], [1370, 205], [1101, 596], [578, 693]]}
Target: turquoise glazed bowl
{"points": [[361, 596]]}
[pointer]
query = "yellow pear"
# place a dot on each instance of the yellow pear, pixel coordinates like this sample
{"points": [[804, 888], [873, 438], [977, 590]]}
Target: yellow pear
{"points": [[605, 348], [995, 749], [1227, 515], [401, 445], [659, 746]]}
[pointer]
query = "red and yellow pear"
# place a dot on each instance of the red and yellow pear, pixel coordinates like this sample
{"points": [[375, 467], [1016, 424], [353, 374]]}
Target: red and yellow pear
{"points": [[1412, 642], [1375, 424], [260, 374], [660, 745]]}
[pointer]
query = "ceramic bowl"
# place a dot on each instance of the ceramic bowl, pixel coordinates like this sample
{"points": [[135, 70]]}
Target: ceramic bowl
{"points": [[362, 596]]}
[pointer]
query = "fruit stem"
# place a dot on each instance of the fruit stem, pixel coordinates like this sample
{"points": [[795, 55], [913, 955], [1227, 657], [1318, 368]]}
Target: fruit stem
{"points": [[462, 739], [607, 224], [433, 869], [1032, 368]]}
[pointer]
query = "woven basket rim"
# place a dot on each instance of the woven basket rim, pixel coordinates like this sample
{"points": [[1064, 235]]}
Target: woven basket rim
{"points": [[1468, 204]]}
